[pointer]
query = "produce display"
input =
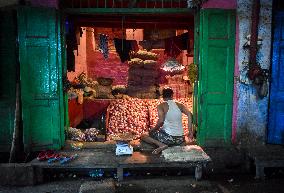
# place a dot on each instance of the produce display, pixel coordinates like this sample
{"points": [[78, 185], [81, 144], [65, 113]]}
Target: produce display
{"points": [[172, 66], [144, 55], [136, 62], [150, 64], [153, 112], [76, 134], [136, 116], [133, 106], [127, 116], [143, 75], [84, 80], [89, 135], [82, 86], [77, 93]]}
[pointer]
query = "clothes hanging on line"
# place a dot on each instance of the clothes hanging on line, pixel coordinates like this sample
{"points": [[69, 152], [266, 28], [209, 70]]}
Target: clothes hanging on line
{"points": [[103, 45], [70, 58], [134, 45], [152, 44], [79, 33], [73, 34], [124, 47], [175, 45]]}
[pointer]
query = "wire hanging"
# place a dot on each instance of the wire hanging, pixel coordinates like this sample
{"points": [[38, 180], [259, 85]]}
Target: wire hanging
{"points": [[122, 27]]}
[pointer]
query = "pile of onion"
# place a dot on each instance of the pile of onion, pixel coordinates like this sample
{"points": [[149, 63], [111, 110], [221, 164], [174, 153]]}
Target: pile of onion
{"points": [[128, 116], [136, 116]]}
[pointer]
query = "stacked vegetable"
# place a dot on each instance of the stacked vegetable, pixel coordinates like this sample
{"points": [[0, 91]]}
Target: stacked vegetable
{"points": [[172, 66], [80, 135], [143, 75]]}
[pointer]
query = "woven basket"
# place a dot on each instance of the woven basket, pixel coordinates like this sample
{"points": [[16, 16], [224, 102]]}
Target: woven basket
{"points": [[105, 81]]}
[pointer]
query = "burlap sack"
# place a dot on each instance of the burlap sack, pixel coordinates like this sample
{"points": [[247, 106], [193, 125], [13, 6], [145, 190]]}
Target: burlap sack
{"points": [[149, 73], [150, 64], [149, 81], [135, 71], [142, 72], [134, 94], [149, 95], [134, 78], [104, 91]]}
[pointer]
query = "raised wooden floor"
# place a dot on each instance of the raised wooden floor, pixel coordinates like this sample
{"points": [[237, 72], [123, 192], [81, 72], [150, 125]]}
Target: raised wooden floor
{"points": [[105, 158]]}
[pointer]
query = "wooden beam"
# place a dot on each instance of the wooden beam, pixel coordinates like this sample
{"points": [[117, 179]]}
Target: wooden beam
{"points": [[137, 25], [94, 11], [135, 21]]}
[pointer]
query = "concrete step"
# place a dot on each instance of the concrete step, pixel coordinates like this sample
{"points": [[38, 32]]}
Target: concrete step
{"points": [[106, 186]]}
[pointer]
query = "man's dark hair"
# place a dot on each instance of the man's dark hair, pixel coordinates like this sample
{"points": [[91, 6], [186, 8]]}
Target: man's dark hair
{"points": [[168, 93]]}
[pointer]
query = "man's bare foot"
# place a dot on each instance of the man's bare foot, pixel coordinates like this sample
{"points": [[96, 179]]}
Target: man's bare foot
{"points": [[159, 149]]}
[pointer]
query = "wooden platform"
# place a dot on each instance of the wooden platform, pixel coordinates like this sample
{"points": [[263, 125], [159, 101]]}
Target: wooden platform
{"points": [[106, 159], [266, 156]]}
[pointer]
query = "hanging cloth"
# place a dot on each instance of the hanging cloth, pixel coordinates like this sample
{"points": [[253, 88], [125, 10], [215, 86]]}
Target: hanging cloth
{"points": [[152, 44], [134, 46], [71, 43], [123, 48], [70, 59], [175, 45], [103, 45]]}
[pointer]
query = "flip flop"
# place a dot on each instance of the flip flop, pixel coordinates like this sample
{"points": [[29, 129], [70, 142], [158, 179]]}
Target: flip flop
{"points": [[45, 155], [42, 156], [49, 154], [54, 158], [66, 159]]}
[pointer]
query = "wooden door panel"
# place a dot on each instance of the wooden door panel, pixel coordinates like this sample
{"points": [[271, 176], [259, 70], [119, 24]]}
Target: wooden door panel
{"points": [[216, 71], [40, 78]]}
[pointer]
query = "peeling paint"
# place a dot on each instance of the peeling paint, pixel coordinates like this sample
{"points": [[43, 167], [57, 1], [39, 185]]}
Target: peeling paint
{"points": [[252, 112]]}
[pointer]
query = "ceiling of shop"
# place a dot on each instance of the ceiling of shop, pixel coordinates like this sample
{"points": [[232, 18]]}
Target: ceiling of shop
{"points": [[123, 4], [130, 13], [177, 21]]}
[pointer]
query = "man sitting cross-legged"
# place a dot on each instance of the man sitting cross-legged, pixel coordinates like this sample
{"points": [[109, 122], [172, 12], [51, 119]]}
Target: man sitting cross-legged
{"points": [[168, 130]]}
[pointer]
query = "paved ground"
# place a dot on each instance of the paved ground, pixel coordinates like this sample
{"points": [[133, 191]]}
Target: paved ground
{"points": [[173, 184]]}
